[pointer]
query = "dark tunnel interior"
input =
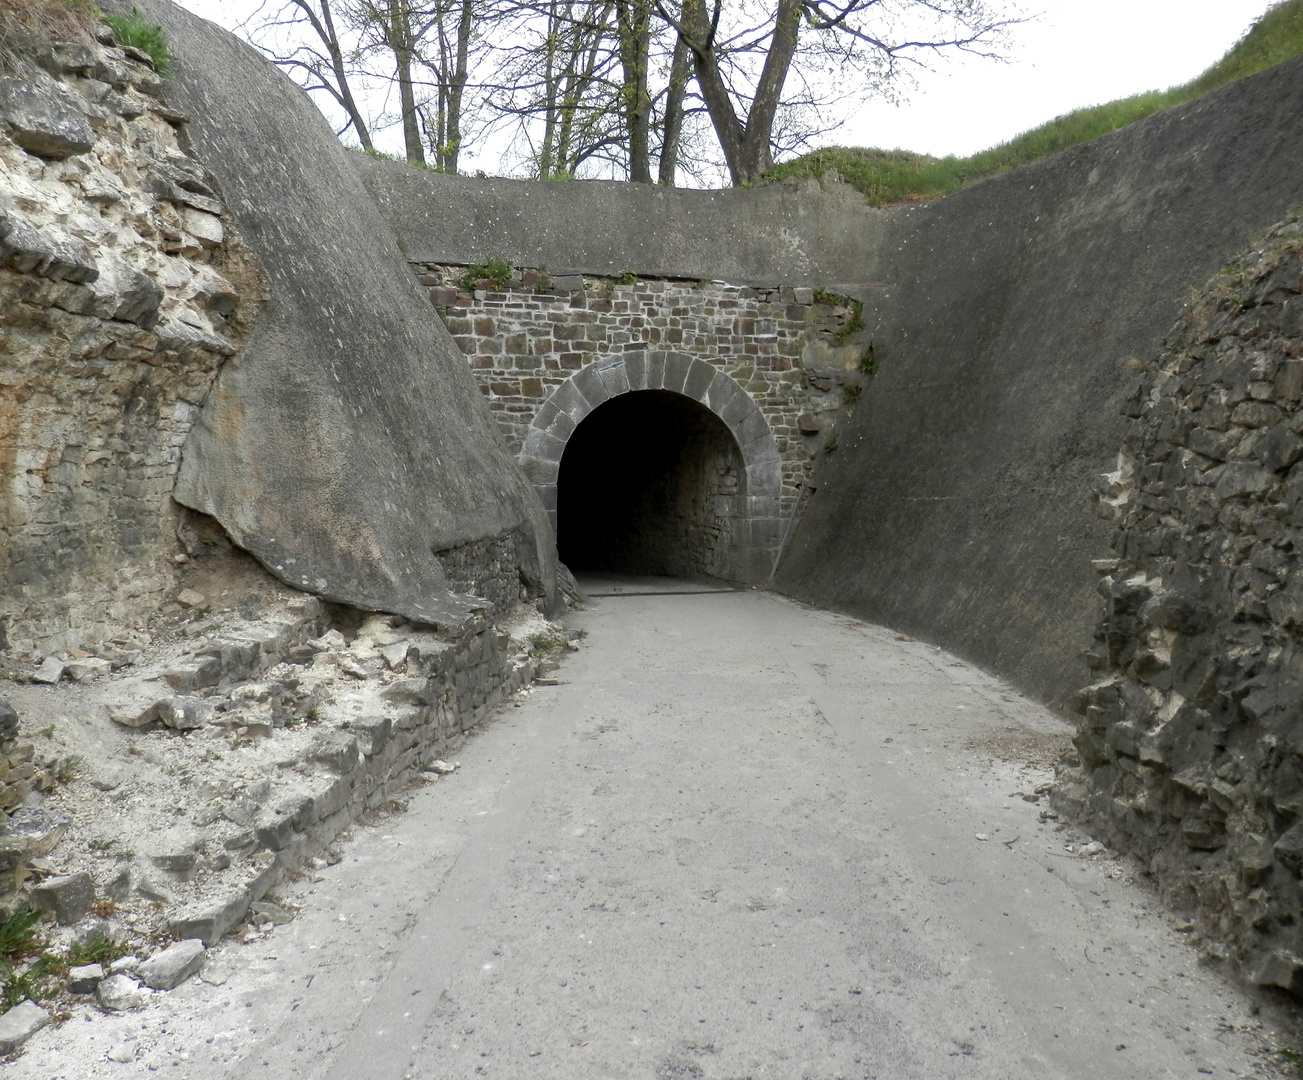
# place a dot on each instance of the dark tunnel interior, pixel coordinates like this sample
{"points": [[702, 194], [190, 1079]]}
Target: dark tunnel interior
{"points": [[650, 483]]}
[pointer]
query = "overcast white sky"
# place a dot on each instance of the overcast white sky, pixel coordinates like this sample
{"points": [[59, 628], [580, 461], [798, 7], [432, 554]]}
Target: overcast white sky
{"points": [[1077, 52]]}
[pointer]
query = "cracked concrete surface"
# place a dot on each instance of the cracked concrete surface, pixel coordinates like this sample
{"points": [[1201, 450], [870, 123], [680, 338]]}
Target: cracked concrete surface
{"points": [[740, 839]]}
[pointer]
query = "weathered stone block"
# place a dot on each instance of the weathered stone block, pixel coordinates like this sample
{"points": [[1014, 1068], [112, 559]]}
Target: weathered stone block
{"points": [[41, 123], [68, 898], [19, 1024]]}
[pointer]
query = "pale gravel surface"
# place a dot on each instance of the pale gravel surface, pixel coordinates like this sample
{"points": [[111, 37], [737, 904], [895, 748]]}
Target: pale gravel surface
{"points": [[740, 839]]}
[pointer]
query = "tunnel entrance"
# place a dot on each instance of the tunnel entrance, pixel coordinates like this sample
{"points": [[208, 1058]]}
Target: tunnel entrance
{"points": [[651, 482]]}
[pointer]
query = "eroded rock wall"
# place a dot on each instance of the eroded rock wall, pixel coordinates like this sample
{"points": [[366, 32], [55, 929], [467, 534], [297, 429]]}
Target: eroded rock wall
{"points": [[1190, 752], [122, 292]]}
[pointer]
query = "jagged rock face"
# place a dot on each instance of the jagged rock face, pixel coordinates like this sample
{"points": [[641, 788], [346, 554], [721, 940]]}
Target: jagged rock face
{"points": [[1191, 746], [121, 294]]}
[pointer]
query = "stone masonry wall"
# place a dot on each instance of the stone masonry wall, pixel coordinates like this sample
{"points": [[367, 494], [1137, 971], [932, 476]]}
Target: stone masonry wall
{"points": [[121, 293], [1190, 750], [796, 351], [489, 569]]}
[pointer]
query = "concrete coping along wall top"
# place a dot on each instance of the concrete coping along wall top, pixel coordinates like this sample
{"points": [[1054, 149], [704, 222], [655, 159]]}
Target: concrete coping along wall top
{"points": [[658, 369]]}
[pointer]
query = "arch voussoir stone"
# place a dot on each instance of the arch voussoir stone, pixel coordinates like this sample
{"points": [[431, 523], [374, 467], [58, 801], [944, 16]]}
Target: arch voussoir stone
{"points": [[700, 376]]}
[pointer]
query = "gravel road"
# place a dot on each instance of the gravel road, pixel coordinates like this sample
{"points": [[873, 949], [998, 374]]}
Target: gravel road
{"points": [[742, 838]]}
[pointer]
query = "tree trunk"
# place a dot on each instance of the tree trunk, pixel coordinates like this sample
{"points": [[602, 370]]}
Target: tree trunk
{"points": [[673, 128], [324, 26], [747, 149], [633, 19], [457, 86]]}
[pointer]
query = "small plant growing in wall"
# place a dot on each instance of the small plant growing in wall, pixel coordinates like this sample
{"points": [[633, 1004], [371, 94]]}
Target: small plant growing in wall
{"points": [[851, 393], [868, 364], [496, 272], [853, 323], [628, 278], [137, 31]]}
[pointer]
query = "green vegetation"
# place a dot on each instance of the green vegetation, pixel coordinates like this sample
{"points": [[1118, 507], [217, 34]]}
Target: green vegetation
{"points": [[545, 645], [135, 30], [101, 949], [894, 176], [495, 271]]}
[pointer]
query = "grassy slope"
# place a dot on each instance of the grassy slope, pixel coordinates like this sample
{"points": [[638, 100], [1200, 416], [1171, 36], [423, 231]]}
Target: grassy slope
{"points": [[888, 176]]}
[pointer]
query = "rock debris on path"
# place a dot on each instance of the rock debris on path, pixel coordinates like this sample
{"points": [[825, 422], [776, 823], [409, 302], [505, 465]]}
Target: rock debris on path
{"points": [[739, 839]]}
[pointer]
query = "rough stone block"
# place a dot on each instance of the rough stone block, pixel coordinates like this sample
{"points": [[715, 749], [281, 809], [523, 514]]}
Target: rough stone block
{"points": [[8, 721], [41, 123], [184, 713], [171, 967], [337, 750], [121, 992], [19, 1024], [68, 898], [84, 979]]}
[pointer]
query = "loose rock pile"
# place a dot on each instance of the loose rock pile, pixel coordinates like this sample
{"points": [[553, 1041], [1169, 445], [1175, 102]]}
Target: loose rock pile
{"points": [[1190, 753]]}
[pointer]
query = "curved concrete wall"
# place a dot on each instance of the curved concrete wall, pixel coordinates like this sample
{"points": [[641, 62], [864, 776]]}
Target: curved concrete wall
{"points": [[347, 444], [956, 506], [797, 233]]}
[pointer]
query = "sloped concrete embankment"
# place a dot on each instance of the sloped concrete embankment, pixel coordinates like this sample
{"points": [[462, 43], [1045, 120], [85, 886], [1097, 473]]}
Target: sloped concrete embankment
{"points": [[956, 506], [346, 444]]}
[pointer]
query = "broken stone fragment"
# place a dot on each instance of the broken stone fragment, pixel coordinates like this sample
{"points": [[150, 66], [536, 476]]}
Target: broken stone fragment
{"points": [[42, 124], [264, 911], [395, 656], [1280, 968], [189, 598], [191, 677], [179, 862], [50, 671], [171, 967], [410, 692], [85, 670], [184, 713], [118, 993], [372, 733], [84, 979], [68, 898], [32, 832], [8, 721], [19, 1024], [133, 716]]}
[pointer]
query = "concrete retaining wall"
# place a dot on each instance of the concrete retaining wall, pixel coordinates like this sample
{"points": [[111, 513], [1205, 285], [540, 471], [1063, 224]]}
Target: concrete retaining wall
{"points": [[956, 506], [798, 233]]}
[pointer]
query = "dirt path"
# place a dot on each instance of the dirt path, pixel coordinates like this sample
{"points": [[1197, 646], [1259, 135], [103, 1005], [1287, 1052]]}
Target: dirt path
{"points": [[741, 839]]}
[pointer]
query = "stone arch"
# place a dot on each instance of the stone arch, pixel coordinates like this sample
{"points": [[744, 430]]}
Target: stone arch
{"points": [[599, 382]]}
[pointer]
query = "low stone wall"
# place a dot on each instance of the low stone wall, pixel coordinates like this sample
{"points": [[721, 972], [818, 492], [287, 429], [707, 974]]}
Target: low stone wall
{"points": [[122, 292], [1190, 752], [490, 569], [234, 753], [357, 762]]}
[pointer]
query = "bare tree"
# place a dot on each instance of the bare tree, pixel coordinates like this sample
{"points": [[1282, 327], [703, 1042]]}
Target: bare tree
{"points": [[743, 56], [313, 50]]}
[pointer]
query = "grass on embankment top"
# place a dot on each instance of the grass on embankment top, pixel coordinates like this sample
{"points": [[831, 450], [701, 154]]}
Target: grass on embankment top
{"points": [[891, 176]]}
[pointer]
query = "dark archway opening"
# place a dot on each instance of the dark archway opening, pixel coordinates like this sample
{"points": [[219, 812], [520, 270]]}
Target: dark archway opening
{"points": [[651, 482]]}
